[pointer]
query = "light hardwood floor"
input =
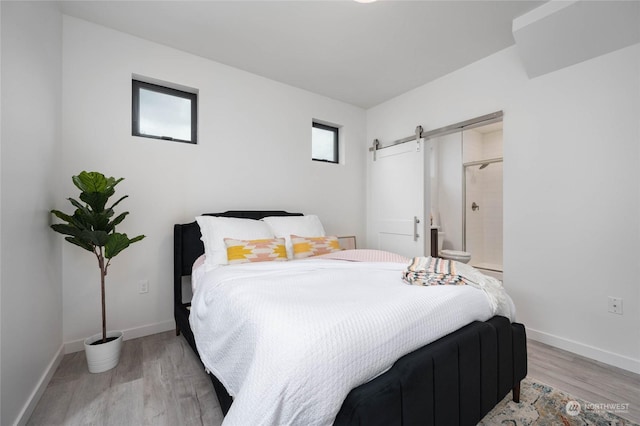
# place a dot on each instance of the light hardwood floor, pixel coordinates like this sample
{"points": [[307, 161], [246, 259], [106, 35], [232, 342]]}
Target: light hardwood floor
{"points": [[159, 381], [585, 378]]}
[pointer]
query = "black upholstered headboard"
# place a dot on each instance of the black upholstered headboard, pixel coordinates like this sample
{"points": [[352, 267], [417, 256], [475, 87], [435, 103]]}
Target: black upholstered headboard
{"points": [[187, 246]]}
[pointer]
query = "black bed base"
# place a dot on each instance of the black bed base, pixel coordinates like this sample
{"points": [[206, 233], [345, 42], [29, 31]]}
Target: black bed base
{"points": [[455, 380]]}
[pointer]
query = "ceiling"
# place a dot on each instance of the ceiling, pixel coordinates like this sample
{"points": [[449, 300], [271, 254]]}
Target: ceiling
{"points": [[362, 54]]}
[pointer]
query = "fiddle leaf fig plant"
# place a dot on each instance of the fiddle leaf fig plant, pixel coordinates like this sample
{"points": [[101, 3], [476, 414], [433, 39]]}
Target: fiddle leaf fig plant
{"points": [[92, 225]]}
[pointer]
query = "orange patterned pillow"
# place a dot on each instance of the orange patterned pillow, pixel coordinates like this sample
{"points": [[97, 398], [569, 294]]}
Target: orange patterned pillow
{"points": [[245, 251], [313, 246]]}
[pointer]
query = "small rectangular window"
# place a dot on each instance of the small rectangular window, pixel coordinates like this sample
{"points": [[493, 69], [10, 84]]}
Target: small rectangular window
{"points": [[161, 112], [324, 143]]}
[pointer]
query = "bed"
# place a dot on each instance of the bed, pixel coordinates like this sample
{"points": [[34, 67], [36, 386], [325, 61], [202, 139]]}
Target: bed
{"points": [[455, 379]]}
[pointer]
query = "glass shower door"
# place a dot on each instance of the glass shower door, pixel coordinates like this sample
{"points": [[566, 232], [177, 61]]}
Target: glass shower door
{"points": [[483, 214]]}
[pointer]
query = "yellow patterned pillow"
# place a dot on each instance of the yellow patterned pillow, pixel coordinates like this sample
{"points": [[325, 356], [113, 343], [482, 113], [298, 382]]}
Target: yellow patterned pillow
{"points": [[245, 251], [313, 246]]}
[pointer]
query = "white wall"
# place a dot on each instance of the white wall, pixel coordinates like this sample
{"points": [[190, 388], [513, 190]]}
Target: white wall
{"points": [[254, 152], [492, 144], [31, 277], [571, 188]]}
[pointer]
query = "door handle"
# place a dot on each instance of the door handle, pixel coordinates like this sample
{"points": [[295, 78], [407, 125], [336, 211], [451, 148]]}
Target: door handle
{"points": [[416, 221]]}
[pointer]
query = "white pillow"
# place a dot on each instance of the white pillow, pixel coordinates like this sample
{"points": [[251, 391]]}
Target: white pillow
{"points": [[215, 229], [303, 226]]}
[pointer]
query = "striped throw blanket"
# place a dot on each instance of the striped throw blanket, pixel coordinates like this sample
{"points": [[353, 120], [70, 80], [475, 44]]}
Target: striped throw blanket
{"points": [[433, 271]]}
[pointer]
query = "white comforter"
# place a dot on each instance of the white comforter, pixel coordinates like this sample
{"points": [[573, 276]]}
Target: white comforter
{"points": [[289, 340]]}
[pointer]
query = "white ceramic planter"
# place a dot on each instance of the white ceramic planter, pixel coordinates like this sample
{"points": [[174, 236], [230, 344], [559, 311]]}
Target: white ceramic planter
{"points": [[104, 356]]}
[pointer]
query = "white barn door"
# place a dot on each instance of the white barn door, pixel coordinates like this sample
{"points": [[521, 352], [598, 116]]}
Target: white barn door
{"points": [[400, 198]]}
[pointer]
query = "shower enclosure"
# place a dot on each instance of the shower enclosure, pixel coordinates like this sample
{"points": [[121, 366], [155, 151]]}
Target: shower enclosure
{"points": [[483, 214], [482, 196]]}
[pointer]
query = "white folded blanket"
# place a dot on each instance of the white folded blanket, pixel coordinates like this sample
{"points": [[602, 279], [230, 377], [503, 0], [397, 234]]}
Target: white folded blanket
{"points": [[436, 271]]}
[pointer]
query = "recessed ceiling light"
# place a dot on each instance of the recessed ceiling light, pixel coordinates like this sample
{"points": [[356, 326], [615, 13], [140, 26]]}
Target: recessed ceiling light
{"points": [[365, 1]]}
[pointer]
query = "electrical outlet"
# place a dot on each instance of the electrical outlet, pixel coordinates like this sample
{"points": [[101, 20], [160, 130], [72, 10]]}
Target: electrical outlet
{"points": [[143, 286], [615, 305]]}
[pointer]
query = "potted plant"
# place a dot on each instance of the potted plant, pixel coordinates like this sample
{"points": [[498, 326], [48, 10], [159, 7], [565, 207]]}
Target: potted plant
{"points": [[93, 227]]}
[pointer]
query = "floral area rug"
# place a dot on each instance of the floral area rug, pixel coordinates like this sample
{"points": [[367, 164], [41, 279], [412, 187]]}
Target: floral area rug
{"points": [[542, 405]]}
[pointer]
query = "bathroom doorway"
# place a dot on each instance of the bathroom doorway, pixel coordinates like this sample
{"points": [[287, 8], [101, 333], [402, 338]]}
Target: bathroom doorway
{"points": [[483, 200]]}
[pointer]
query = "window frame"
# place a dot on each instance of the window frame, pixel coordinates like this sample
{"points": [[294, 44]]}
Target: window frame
{"points": [[336, 141], [136, 85]]}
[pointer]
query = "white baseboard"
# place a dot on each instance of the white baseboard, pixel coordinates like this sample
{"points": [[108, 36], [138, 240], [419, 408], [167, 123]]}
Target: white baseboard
{"points": [[131, 333], [31, 403], [616, 360]]}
